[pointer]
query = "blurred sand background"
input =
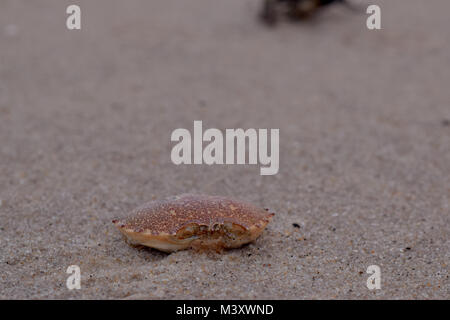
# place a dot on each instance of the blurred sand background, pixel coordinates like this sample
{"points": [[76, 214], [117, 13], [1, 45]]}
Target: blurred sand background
{"points": [[85, 124]]}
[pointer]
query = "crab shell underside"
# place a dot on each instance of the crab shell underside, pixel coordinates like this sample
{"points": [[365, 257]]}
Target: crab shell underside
{"points": [[194, 221]]}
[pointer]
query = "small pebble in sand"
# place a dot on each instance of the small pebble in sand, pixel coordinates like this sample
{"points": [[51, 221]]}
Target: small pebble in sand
{"points": [[194, 221]]}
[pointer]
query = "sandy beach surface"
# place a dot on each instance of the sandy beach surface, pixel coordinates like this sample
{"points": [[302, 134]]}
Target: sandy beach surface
{"points": [[86, 118]]}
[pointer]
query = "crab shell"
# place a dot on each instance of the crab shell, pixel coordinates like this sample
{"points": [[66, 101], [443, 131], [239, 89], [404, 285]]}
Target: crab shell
{"points": [[194, 221]]}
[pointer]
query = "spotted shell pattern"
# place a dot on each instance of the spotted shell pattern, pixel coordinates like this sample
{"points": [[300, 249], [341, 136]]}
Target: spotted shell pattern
{"points": [[190, 220]]}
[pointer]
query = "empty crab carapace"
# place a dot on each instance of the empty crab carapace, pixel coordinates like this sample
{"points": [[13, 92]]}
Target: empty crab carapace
{"points": [[198, 221]]}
